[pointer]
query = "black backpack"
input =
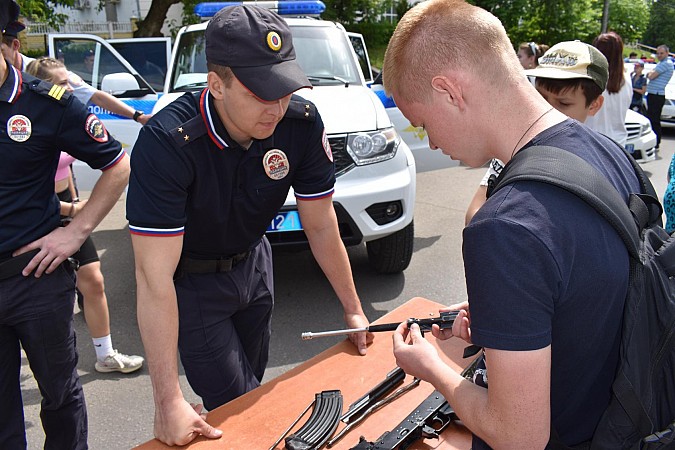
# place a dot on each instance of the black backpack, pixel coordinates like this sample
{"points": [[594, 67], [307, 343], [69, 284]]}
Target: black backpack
{"points": [[641, 413]]}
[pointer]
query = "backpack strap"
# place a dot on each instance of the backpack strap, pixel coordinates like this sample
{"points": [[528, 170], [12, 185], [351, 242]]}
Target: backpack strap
{"points": [[568, 171]]}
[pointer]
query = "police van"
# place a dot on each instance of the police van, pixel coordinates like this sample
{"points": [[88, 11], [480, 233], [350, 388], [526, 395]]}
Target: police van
{"points": [[375, 189]]}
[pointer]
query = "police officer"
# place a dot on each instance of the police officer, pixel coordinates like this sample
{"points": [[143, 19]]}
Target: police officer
{"points": [[209, 172], [37, 284]]}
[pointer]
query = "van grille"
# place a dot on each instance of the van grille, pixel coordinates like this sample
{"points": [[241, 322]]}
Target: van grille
{"points": [[343, 162]]}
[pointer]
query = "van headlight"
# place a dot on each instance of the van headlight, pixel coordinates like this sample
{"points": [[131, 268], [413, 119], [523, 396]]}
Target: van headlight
{"points": [[374, 146], [645, 128]]}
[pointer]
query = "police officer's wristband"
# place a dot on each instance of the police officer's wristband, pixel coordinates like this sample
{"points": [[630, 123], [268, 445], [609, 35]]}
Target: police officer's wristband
{"points": [[137, 114]]}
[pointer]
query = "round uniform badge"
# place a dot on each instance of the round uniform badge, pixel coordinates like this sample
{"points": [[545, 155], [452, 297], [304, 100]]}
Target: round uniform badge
{"points": [[95, 129], [326, 146], [274, 41], [275, 163], [19, 128]]}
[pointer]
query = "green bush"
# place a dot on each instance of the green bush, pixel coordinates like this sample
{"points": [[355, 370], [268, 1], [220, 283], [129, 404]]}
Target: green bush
{"points": [[375, 34]]}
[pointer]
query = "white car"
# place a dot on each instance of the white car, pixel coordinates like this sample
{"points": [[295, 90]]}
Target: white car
{"points": [[641, 138]]}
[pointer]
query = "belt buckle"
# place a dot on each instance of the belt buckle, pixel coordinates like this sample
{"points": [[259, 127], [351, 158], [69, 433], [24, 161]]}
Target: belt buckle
{"points": [[224, 265]]}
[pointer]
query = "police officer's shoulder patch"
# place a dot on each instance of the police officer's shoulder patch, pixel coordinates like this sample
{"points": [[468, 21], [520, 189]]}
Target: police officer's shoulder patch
{"points": [[95, 128], [57, 93], [299, 108], [189, 131]]}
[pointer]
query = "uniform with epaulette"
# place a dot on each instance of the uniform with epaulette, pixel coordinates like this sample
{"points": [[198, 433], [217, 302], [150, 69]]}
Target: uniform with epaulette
{"points": [[38, 120], [190, 178]]}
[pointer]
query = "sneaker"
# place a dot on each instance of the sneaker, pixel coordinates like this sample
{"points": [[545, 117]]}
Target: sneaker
{"points": [[118, 362]]}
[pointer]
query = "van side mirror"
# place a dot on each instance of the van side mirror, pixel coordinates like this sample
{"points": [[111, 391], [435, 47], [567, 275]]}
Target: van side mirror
{"points": [[119, 83]]}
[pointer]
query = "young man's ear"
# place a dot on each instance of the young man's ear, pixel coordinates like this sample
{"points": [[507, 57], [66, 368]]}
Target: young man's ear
{"points": [[596, 105], [450, 88]]}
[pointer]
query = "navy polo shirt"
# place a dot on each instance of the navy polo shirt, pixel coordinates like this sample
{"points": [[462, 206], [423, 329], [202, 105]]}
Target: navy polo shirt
{"points": [[39, 120], [188, 177], [544, 268]]}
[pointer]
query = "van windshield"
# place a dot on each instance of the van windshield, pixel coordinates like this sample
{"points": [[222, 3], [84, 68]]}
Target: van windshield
{"points": [[324, 53]]}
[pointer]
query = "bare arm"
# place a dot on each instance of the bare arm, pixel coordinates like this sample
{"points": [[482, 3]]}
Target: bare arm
{"points": [[156, 258], [320, 224], [112, 103], [58, 245], [514, 413], [653, 74]]}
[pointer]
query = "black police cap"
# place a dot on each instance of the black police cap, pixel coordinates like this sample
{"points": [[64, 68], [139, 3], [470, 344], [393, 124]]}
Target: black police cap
{"points": [[9, 12], [257, 45], [14, 28]]}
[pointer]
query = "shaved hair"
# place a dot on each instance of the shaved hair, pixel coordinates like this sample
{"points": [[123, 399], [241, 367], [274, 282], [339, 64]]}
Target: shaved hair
{"points": [[437, 35]]}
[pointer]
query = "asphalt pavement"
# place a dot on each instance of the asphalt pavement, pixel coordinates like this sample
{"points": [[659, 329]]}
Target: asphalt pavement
{"points": [[120, 406]]}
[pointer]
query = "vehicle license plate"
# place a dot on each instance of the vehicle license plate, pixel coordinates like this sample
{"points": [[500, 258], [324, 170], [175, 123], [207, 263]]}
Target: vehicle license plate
{"points": [[630, 148], [285, 221]]}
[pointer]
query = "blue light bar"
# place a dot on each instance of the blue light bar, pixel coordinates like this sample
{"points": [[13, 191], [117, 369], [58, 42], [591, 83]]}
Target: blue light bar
{"points": [[282, 7]]}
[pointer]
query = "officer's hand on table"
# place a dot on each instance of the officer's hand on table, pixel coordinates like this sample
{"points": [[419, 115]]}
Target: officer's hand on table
{"points": [[55, 248], [179, 423], [418, 357], [360, 340]]}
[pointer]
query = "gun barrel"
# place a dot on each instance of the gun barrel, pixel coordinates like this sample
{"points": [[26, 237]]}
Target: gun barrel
{"points": [[309, 335], [445, 320]]}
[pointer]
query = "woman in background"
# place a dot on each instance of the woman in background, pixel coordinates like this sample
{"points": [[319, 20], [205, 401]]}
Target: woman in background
{"points": [[611, 119], [529, 54]]}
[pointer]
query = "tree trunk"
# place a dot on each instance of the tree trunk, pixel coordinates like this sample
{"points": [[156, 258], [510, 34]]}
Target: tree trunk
{"points": [[152, 25]]}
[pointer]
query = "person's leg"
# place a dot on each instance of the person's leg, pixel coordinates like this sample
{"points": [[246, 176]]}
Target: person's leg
{"points": [[218, 364], [654, 108], [48, 337], [254, 324], [12, 431], [91, 284]]}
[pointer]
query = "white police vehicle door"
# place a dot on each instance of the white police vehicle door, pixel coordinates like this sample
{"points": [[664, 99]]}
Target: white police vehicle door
{"points": [[109, 71]]}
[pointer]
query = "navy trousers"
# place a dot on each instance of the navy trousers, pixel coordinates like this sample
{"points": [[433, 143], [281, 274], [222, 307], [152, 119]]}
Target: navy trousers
{"points": [[654, 108], [224, 327], [37, 314]]}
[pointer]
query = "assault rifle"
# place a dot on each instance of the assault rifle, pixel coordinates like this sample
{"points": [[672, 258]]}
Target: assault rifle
{"points": [[431, 417], [445, 320], [428, 420]]}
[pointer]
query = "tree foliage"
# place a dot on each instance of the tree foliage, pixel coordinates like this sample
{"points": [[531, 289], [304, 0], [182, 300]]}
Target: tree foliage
{"points": [[43, 11], [629, 18], [153, 22], [661, 26], [541, 21]]}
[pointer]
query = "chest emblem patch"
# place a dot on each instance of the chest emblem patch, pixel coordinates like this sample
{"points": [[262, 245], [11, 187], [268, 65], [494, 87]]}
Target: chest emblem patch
{"points": [[275, 163], [19, 128], [326, 146], [95, 129]]}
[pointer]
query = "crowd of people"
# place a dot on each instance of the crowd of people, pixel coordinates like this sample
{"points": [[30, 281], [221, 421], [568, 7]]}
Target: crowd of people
{"points": [[205, 290]]}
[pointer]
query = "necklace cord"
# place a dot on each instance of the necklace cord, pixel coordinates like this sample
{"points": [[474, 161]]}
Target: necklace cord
{"points": [[529, 128]]}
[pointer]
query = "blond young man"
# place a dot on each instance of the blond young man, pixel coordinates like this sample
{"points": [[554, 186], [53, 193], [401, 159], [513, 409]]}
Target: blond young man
{"points": [[549, 317]]}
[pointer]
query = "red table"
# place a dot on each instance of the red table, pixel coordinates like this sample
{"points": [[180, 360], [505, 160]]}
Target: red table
{"points": [[257, 419]]}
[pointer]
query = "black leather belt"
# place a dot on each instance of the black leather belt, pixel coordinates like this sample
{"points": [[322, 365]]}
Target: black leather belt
{"points": [[14, 266], [189, 265]]}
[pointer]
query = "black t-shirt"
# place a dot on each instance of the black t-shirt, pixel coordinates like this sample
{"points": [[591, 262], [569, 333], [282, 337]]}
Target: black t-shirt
{"points": [[188, 177], [543, 268]]}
